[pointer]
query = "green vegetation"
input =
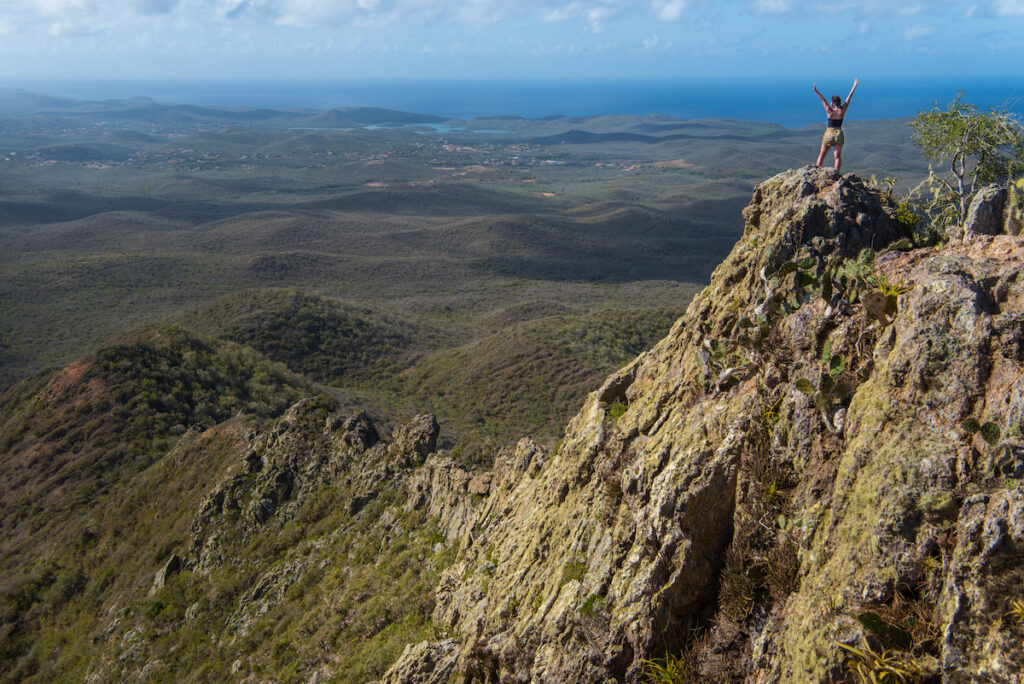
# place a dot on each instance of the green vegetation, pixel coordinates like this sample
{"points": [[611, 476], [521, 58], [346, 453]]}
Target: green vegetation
{"points": [[168, 379], [887, 667], [459, 233], [573, 571], [825, 390], [324, 340], [616, 411], [110, 416], [989, 431], [980, 147], [668, 670], [315, 583], [595, 603], [530, 378]]}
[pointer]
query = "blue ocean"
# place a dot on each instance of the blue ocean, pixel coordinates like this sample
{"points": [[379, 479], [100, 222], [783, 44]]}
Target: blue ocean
{"points": [[789, 102]]}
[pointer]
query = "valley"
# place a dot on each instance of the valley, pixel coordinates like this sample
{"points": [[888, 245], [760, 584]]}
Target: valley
{"points": [[130, 213]]}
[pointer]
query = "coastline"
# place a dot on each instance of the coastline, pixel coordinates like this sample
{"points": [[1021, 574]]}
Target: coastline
{"points": [[786, 101]]}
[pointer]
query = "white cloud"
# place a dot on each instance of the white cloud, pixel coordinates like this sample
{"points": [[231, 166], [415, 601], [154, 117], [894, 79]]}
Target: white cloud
{"points": [[1008, 8], [437, 21], [669, 10], [652, 42], [562, 13], [772, 6], [596, 16], [53, 8], [874, 8], [916, 32], [592, 14]]}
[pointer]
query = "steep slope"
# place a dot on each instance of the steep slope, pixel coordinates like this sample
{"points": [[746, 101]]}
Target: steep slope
{"points": [[529, 378], [129, 539], [818, 464], [90, 492], [814, 477]]}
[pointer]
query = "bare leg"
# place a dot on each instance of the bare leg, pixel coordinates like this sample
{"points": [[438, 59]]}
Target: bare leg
{"points": [[821, 156], [839, 156]]}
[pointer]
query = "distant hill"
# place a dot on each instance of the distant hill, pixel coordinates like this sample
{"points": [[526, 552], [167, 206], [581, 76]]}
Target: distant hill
{"points": [[324, 340], [373, 115], [144, 109], [15, 101], [578, 137], [530, 377]]}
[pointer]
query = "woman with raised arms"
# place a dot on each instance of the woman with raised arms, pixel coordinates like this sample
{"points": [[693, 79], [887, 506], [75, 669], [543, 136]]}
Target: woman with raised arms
{"points": [[836, 112]]}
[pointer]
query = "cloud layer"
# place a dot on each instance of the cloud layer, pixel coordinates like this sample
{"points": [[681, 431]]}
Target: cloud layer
{"points": [[757, 35], [309, 13]]}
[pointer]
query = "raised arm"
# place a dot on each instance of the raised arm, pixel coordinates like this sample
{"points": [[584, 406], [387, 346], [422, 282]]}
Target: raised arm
{"points": [[824, 102], [850, 96]]}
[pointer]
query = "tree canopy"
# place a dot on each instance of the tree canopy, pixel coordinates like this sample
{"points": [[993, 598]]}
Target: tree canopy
{"points": [[979, 146]]}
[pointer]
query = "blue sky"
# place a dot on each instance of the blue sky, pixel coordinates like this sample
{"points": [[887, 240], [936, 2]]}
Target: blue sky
{"points": [[343, 39]]}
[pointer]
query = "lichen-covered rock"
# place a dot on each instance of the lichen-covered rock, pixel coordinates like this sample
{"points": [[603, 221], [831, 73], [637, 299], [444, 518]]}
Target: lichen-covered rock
{"points": [[359, 432], [981, 631], [816, 465], [985, 214], [907, 459], [169, 569], [424, 663], [417, 438]]}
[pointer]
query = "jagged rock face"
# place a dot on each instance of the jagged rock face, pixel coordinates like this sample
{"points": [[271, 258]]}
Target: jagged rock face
{"points": [[310, 448], [311, 553], [822, 438], [915, 492], [425, 663], [418, 437]]}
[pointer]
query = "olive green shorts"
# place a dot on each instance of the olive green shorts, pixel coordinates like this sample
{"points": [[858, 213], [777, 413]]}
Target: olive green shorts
{"points": [[833, 137]]}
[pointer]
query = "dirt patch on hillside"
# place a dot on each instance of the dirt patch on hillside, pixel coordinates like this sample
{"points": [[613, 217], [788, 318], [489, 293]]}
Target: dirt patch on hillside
{"points": [[674, 164]]}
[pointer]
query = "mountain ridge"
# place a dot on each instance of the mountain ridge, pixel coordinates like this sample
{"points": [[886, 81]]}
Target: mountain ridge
{"points": [[817, 470], [756, 498]]}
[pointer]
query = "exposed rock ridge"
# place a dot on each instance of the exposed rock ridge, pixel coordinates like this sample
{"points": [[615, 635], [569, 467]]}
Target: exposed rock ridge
{"points": [[310, 447], [827, 434]]}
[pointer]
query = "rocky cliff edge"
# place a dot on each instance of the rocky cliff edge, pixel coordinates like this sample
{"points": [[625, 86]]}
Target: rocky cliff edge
{"points": [[814, 476]]}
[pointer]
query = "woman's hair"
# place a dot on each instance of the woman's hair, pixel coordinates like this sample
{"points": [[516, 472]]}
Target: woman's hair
{"points": [[837, 101]]}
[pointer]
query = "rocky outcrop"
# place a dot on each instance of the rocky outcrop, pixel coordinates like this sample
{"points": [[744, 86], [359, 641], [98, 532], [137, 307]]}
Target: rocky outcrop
{"points": [[985, 216], [816, 466], [814, 477], [310, 448], [994, 210], [425, 663], [169, 569], [417, 438]]}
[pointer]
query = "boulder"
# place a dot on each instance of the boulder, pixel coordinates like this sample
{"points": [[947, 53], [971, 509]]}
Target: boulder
{"points": [[985, 214], [169, 569], [417, 438], [359, 432], [480, 484]]}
